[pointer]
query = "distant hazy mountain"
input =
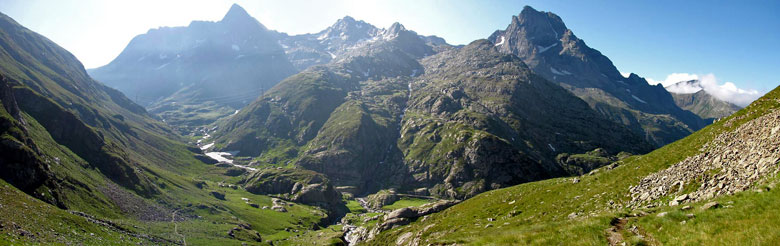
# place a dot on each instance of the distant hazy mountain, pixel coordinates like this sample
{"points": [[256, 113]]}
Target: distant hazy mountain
{"points": [[542, 40], [330, 44], [196, 74], [691, 96], [66, 138]]}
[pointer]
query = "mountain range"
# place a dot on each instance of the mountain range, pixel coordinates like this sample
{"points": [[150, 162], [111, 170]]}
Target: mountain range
{"points": [[228, 132], [191, 76]]}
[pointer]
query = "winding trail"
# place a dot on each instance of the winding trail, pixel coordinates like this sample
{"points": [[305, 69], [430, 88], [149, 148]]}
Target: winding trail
{"points": [[614, 235], [176, 227]]}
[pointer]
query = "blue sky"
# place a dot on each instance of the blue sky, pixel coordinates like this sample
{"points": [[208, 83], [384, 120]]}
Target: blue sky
{"points": [[728, 41]]}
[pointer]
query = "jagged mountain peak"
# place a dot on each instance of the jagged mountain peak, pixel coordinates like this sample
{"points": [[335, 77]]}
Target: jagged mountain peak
{"points": [[238, 17], [347, 20], [395, 30], [540, 22], [396, 27], [236, 12], [347, 29]]}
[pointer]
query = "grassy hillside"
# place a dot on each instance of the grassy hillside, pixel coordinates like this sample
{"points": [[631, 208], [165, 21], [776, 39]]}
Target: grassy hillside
{"points": [[87, 150], [558, 210]]}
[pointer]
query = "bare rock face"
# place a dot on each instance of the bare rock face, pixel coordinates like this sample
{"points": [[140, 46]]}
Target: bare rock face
{"points": [[732, 162], [300, 186], [382, 198], [404, 216]]}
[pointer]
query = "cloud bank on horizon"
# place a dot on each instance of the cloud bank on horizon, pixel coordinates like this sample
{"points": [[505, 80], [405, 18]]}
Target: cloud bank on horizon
{"points": [[727, 91]]}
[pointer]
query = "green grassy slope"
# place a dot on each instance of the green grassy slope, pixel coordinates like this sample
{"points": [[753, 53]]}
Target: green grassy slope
{"points": [[26, 220], [556, 211], [70, 141]]}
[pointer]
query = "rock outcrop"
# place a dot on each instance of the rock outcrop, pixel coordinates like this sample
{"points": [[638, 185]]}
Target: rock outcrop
{"points": [[300, 186], [734, 161], [404, 216]]}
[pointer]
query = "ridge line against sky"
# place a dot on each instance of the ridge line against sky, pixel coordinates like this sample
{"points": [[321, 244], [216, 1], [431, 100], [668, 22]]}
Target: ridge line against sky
{"points": [[733, 40]]}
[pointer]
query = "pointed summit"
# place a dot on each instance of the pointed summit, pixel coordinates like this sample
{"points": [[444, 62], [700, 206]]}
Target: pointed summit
{"points": [[539, 23], [237, 17], [348, 24], [347, 19], [528, 9], [396, 28], [237, 14]]}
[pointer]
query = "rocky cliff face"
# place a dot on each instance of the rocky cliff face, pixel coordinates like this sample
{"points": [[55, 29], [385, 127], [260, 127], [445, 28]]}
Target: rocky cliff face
{"points": [[734, 161], [542, 41], [193, 75], [20, 161]]}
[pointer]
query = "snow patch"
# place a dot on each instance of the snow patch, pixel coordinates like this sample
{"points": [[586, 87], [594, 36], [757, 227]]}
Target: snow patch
{"points": [[551, 147], [502, 41], [235, 47], [323, 36], [162, 66], [543, 49], [332, 56], [640, 100], [559, 72]]}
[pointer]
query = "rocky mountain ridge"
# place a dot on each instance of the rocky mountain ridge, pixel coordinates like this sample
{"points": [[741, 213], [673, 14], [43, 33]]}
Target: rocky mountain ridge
{"points": [[552, 50], [346, 34]]}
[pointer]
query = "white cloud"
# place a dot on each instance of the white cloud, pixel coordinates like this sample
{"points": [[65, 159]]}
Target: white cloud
{"points": [[625, 75], [684, 88], [727, 91], [673, 78]]}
